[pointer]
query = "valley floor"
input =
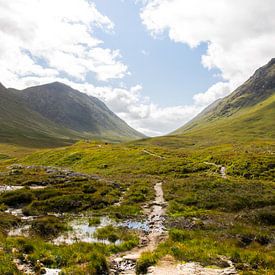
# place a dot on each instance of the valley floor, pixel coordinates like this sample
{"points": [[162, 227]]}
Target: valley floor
{"points": [[159, 208]]}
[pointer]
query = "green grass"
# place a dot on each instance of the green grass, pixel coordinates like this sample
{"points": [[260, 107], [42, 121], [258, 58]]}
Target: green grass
{"points": [[146, 260], [48, 226], [207, 216], [94, 221], [7, 222], [245, 124]]}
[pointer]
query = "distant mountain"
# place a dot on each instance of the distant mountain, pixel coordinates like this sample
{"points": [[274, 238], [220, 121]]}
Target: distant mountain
{"points": [[56, 114], [249, 110]]}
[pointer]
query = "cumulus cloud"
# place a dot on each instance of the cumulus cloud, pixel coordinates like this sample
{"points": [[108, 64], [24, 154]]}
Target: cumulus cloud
{"points": [[218, 90], [48, 38], [240, 34], [45, 40], [42, 42], [138, 110]]}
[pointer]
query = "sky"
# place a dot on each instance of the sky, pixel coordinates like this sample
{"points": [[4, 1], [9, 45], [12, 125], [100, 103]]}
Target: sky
{"points": [[155, 63]]}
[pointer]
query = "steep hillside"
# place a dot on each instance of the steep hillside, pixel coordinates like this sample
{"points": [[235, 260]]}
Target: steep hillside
{"points": [[20, 125], [76, 111], [54, 115], [249, 110]]}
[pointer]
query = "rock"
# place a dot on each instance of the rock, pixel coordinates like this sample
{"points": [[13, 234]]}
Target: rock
{"points": [[15, 172], [131, 257], [195, 268]]}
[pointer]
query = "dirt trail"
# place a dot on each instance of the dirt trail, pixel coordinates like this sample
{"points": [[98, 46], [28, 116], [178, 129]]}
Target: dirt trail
{"points": [[152, 154], [126, 264]]}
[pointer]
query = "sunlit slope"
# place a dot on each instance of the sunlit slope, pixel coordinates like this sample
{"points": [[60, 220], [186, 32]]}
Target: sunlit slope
{"points": [[250, 123], [247, 113]]}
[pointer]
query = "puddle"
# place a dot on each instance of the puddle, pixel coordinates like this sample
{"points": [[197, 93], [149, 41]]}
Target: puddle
{"points": [[80, 231], [83, 232], [18, 213], [14, 211], [37, 187], [135, 225]]}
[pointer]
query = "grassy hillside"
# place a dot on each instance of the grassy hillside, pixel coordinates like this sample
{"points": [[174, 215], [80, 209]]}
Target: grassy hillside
{"points": [[20, 125], [218, 179], [249, 123], [87, 116], [248, 111], [55, 115]]}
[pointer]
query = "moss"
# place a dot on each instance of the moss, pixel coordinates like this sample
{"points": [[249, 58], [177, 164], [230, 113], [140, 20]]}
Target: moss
{"points": [[7, 222], [48, 226], [17, 198], [94, 221], [114, 234]]}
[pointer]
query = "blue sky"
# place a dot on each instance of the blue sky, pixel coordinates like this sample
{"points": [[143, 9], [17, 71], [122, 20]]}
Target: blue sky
{"points": [[155, 63], [170, 73]]}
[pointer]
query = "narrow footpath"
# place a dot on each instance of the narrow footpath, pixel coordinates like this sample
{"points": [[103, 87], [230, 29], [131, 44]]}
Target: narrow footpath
{"points": [[125, 265]]}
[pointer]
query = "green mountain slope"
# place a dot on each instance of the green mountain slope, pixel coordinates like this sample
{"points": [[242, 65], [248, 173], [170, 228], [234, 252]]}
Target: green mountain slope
{"points": [[54, 115], [76, 111], [20, 125], [249, 112]]}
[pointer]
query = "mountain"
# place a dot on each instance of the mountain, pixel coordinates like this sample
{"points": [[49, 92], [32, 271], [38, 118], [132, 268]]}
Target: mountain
{"points": [[77, 111], [20, 125], [248, 112], [55, 114]]}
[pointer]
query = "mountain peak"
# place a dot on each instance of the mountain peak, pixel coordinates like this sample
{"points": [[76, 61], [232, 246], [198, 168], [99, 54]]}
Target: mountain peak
{"points": [[56, 86], [269, 68], [2, 86], [271, 62], [55, 83]]}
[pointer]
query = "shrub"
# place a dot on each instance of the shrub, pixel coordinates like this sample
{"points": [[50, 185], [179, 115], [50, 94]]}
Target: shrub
{"points": [[107, 233], [89, 189], [94, 221], [48, 226], [266, 217], [17, 198], [146, 260], [8, 221], [97, 264], [177, 235]]}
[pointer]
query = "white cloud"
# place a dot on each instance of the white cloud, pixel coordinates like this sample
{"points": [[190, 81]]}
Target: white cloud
{"points": [[47, 40], [218, 90], [139, 111], [42, 42], [240, 34], [50, 38]]}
